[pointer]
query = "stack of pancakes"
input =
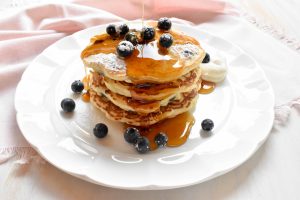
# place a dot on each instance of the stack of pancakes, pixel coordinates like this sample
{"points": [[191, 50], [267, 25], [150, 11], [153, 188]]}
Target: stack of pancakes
{"points": [[150, 85]]}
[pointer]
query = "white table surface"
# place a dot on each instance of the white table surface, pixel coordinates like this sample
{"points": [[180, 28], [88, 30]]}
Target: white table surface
{"points": [[281, 15], [273, 172]]}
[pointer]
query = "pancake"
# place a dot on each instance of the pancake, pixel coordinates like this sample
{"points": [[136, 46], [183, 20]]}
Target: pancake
{"points": [[133, 104], [155, 91], [149, 85], [114, 112], [148, 63]]}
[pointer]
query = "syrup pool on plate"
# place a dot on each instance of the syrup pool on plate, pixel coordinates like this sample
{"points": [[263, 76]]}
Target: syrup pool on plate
{"points": [[207, 87], [177, 129]]}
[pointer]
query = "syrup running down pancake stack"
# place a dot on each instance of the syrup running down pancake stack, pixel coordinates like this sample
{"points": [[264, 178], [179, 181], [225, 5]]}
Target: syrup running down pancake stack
{"points": [[146, 81]]}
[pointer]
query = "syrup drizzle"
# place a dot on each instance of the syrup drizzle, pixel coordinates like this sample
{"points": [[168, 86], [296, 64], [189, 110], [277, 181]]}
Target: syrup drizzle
{"points": [[143, 12], [148, 60], [207, 87], [177, 129], [86, 82], [86, 96]]}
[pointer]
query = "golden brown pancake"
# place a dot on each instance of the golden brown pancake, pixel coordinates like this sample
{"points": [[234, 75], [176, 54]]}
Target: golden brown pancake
{"points": [[148, 86], [155, 91], [133, 104], [114, 112], [148, 63]]}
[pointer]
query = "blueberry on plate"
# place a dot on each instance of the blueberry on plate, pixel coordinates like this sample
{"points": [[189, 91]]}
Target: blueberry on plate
{"points": [[68, 105], [142, 145], [207, 124], [206, 58], [166, 40], [131, 135], [148, 33], [77, 86], [132, 37], [164, 23], [111, 29], [161, 139], [100, 130], [125, 48], [123, 29]]}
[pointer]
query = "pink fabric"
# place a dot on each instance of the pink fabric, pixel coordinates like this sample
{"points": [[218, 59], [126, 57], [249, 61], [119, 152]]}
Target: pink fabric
{"points": [[196, 11], [26, 33]]}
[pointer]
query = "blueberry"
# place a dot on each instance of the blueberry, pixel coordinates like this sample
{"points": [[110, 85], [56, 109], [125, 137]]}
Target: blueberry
{"points": [[111, 29], [77, 86], [125, 48], [187, 53], [161, 139], [123, 29], [131, 135], [164, 24], [207, 124], [166, 40], [132, 37], [68, 105], [206, 58], [100, 130], [142, 145], [148, 33]]}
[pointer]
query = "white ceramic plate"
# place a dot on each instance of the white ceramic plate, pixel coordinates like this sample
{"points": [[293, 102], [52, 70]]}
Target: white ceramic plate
{"points": [[241, 107]]}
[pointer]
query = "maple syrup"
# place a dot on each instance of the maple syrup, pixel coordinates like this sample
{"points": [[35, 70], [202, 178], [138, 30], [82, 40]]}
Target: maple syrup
{"points": [[86, 82], [86, 96], [143, 12], [177, 129], [207, 87], [148, 60]]}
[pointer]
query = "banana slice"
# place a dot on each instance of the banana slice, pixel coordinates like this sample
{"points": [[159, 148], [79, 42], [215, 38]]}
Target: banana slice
{"points": [[214, 71]]}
